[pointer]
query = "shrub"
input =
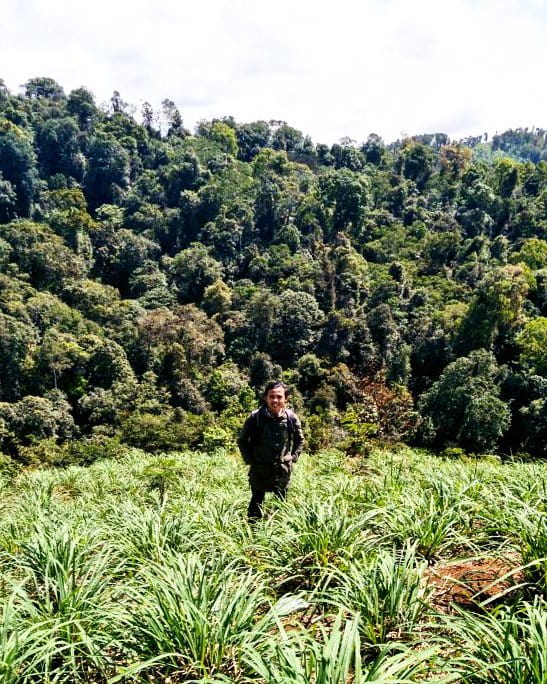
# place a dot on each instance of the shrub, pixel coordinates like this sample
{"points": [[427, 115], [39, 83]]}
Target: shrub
{"points": [[171, 430]]}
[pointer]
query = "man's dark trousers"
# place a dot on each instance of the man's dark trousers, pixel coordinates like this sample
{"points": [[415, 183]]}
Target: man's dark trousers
{"points": [[254, 511]]}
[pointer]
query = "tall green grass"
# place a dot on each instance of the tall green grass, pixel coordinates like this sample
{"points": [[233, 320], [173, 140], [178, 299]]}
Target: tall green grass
{"points": [[388, 592], [145, 569], [333, 658], [62, 614], [201, 614], [507, 645]]}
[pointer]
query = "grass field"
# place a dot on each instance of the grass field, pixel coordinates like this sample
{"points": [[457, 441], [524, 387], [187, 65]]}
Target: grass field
{"points": [[401, 567]]}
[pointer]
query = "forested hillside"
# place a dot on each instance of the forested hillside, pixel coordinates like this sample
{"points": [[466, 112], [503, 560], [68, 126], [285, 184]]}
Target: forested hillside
{"points": [[151, 281]]}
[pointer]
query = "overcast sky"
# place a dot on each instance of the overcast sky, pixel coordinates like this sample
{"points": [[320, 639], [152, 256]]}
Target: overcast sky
{"points": [[331, 69]]}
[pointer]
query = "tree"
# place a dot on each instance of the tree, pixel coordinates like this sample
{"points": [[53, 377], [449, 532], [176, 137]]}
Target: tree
{"points": [[119, 106], [17, 166], [81, 104], [454, 160], [351, 278], [286, 138], [477, 203], [347, 339], [251, 138], [526, 395], [309, 373], [183, 173], [262, 370], [150, 284], [43, 255], [532, 341], [278, 191], [224, 386], [217, 298], [374, 149], [149, 118], [4, 90], [192, 271], [495, 309], [118, 253], [464, 407], [534, 417], [225, 136], [417, 163], [533, 253], [344, 197], [17, 340], [173, 119], [296, 330], [106, 363], [107, 173], [35, 418], [8, 200], [346, 156], [58, 148], [43, 87], [96, 301], [199, 337], [249, 331], [59, 361], [506, 176], [47, 311]]}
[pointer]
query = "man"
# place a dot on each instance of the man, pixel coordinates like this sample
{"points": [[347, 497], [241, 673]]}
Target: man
{"points": [[270, 442]]}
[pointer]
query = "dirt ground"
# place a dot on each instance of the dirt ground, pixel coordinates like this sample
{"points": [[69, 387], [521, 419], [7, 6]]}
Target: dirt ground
{"points": [[469, 582]]}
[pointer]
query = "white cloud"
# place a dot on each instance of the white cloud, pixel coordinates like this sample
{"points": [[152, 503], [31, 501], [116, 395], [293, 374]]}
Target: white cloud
{"points": [[348, 67]]}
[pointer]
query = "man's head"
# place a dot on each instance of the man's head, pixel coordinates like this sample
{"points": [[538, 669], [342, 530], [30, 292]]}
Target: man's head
{"points": [[275, 397]]}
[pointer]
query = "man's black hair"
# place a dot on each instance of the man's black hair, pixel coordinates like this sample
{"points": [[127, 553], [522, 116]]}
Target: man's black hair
{"points": [[272, 385]]}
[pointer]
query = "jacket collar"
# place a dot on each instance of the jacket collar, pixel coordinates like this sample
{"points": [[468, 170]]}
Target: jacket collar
{"points": [[282, 415]]}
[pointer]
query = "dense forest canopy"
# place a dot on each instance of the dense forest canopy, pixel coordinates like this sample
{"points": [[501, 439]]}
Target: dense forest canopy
{"points": [[151, 280]]}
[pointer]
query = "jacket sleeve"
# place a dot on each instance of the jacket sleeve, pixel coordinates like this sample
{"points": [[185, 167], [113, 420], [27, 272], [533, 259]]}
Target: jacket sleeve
{"points": [[245, 441], [298, 439]]}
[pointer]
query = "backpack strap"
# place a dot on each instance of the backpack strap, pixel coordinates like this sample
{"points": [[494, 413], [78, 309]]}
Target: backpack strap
{"points": [[291, 425], [256, 417]]}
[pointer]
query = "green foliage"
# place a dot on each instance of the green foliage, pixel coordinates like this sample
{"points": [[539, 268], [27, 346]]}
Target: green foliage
{"points": [[495, 309], [42, 255], [463, 406], [533, 546], [171, 430], [225, 386], [533, 342], [163, 473], [225, 137], [196, 617], [107, 172], [387, 591], [16, 341], [43, 87], [146, 269], [358, 431], [17, 166], [507, 646], [66, 599], [192, 271], [533, 253], [81, 104], [35, 418]]}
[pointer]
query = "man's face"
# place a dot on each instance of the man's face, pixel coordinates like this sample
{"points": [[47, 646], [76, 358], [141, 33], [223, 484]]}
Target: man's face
{"points": [[275, 400]]}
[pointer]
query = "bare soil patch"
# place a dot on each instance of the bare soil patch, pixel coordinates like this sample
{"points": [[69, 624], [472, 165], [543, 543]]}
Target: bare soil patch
{"points": [[469, 582]]}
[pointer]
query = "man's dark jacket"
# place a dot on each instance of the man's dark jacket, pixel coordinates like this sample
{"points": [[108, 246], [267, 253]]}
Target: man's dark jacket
{"points": [[270, 445]]}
